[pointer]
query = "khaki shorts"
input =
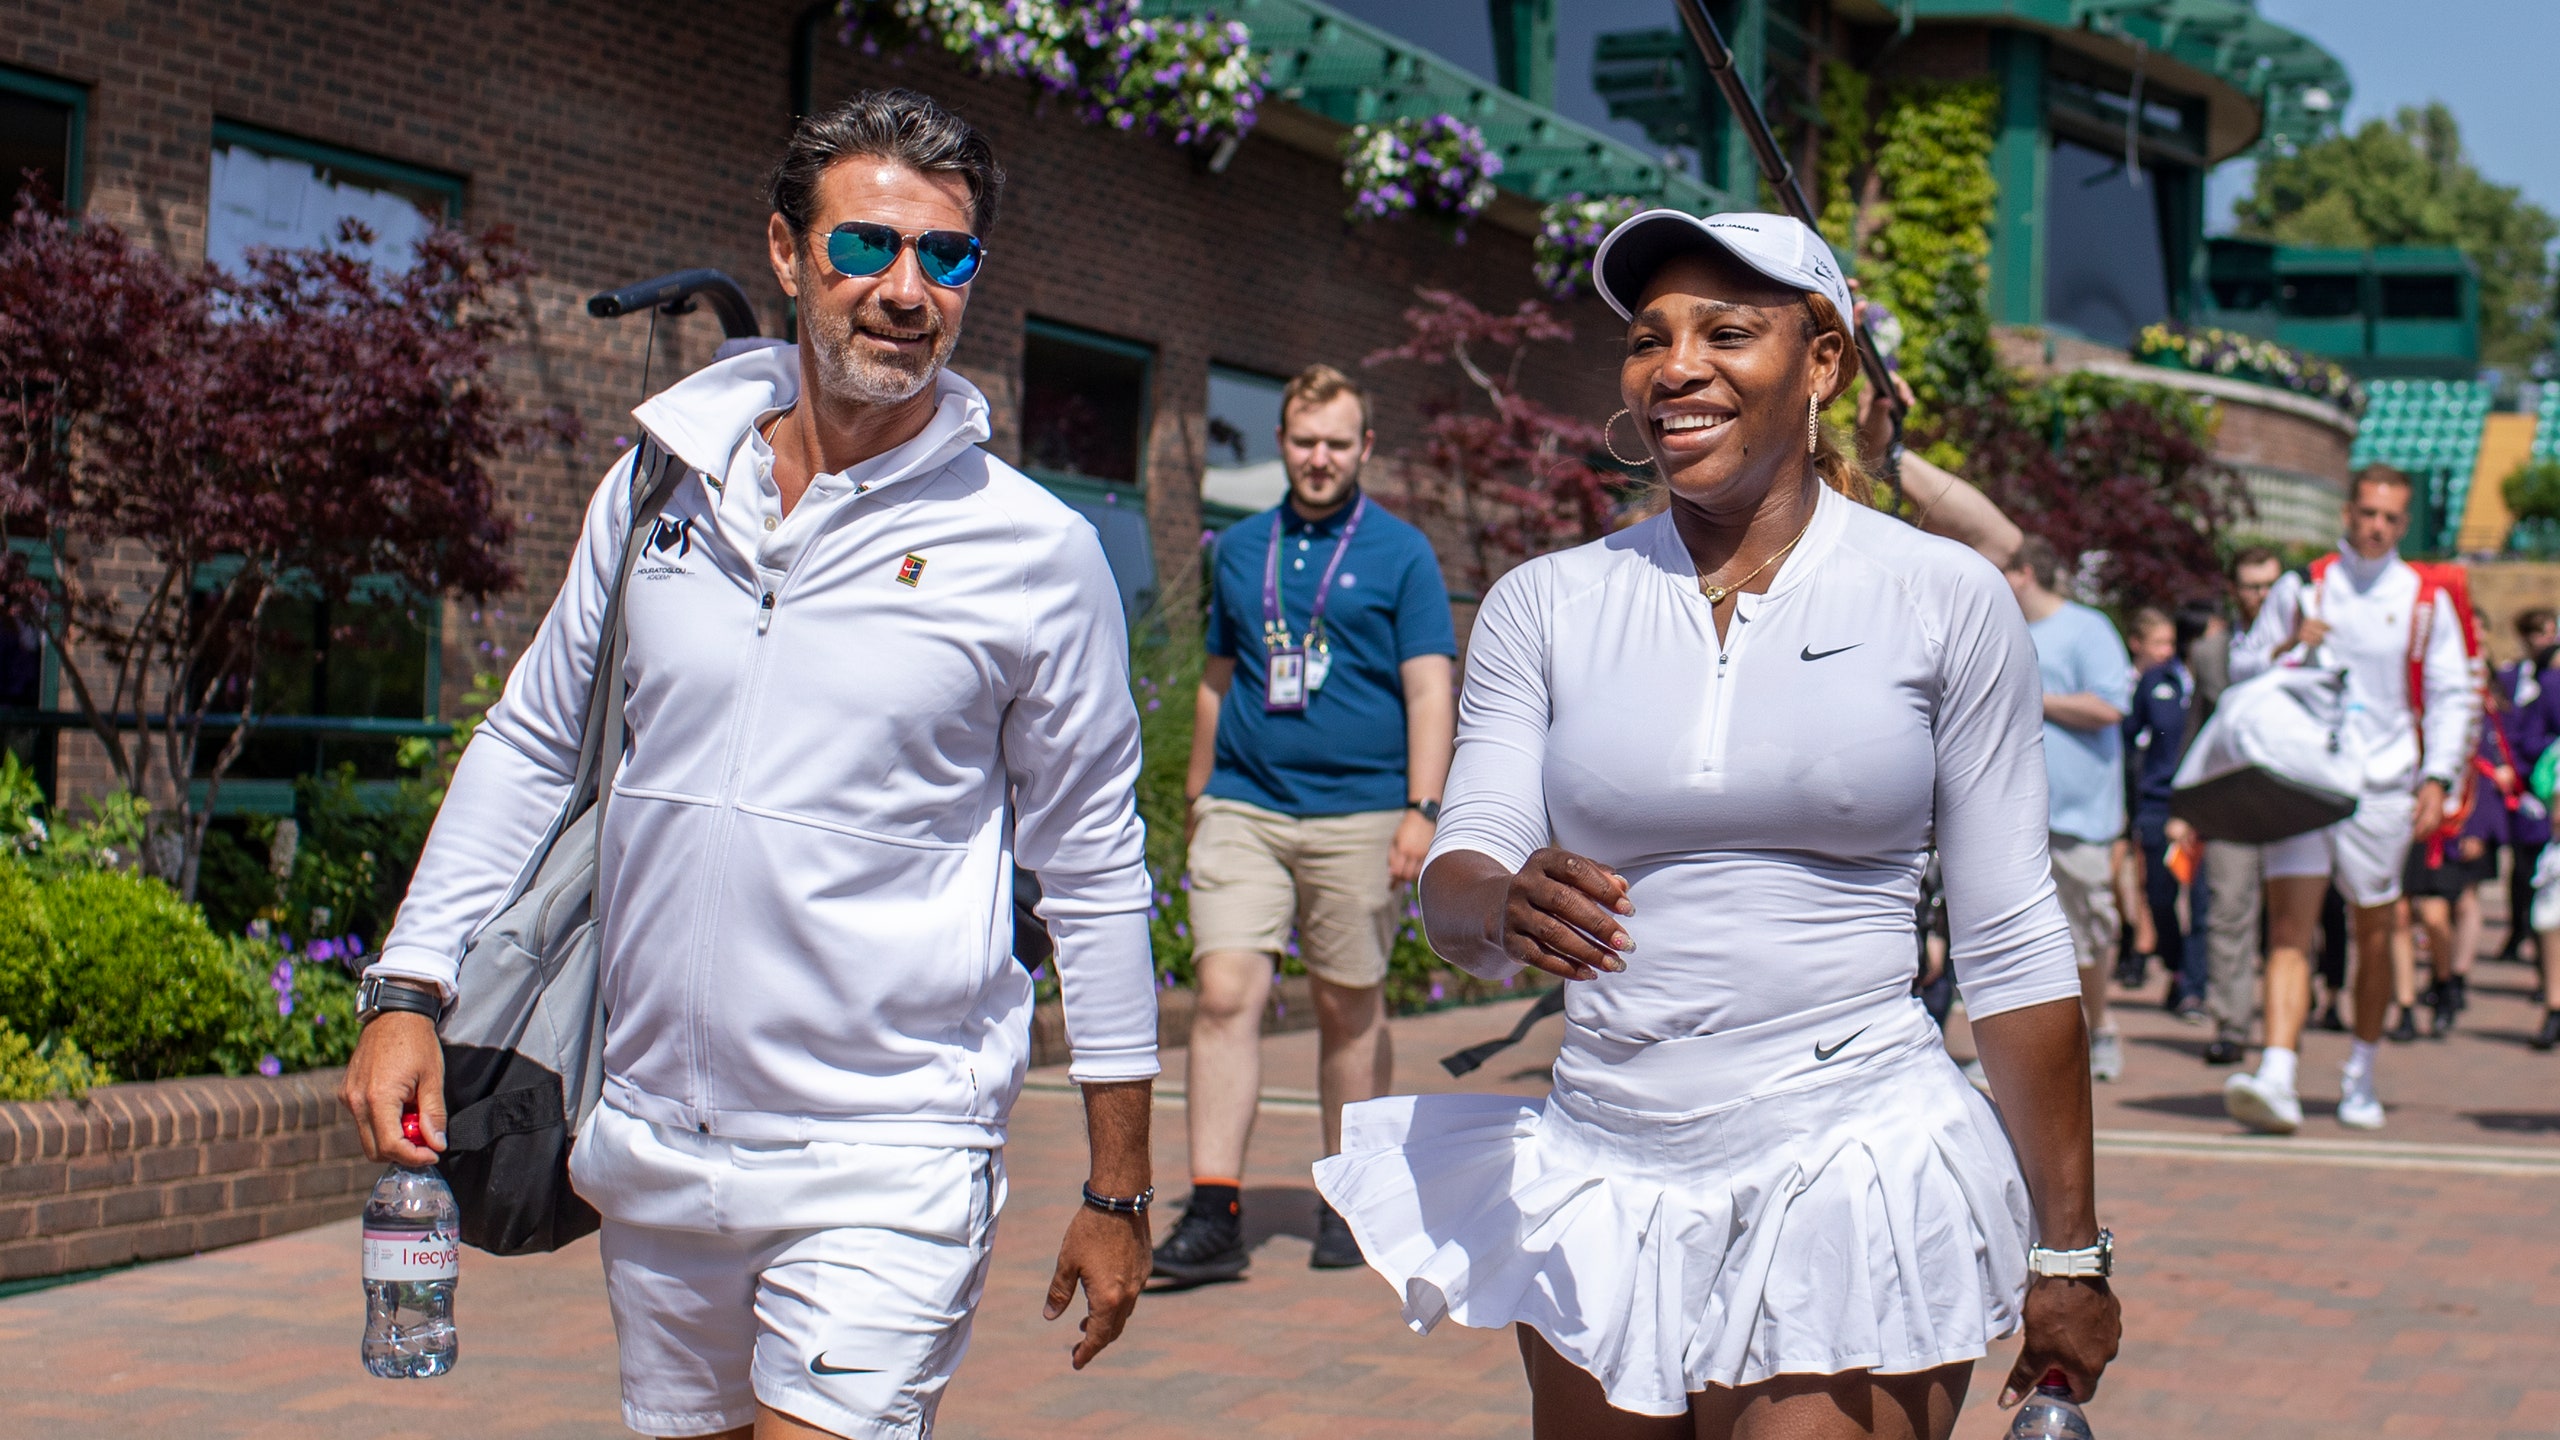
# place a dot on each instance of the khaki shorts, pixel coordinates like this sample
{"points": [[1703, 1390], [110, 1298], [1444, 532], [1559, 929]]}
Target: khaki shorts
{"points": [[2084, 884], [1254, 874]]}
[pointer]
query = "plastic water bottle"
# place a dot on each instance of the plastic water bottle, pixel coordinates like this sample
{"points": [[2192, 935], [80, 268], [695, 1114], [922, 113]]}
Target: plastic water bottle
{"points": [[412, 1260], [2051, 1413]]}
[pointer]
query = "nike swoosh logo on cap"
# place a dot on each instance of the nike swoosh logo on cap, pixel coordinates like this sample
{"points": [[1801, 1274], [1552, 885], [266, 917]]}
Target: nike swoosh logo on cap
{"points": [[819, 1365], [1812, 654], [1822, 1054]]}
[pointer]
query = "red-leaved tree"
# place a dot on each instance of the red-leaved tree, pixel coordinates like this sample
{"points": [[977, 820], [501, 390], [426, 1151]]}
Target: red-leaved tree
{"points": [[2107, 471], [185, 443], [1514, 476]]}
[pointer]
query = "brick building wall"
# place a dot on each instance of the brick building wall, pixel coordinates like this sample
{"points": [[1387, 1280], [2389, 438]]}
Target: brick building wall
{"points": [[621, 141]]}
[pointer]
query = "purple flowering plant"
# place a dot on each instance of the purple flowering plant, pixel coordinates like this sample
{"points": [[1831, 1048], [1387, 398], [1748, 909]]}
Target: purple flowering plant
{"points": [[1197, 80], [1436, 166], [1569, 234]]}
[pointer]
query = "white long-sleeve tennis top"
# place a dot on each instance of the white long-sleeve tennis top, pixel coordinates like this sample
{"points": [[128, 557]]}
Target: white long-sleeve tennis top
{"points": [[1769, 798], [846, 723], [2369, 607]]}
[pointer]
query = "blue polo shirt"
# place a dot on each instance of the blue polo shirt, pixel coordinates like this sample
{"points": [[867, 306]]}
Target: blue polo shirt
{"points": [[1345, 752]]}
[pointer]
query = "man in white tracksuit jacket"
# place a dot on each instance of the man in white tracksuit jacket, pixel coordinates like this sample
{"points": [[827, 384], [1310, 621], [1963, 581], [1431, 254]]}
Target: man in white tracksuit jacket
{"points": [[2365, 616], [870, 667]]}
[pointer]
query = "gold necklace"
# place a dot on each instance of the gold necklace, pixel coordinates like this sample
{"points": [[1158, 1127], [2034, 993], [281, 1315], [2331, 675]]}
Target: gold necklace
{"points": [[1715, 593]]}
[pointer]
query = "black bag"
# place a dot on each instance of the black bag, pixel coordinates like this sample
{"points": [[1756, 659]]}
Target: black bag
{"points": [[524, 1042]]}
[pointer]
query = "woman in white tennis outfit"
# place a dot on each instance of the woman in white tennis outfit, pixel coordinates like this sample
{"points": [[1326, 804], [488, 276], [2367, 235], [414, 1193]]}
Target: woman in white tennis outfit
{"points": [[1698, 765]]}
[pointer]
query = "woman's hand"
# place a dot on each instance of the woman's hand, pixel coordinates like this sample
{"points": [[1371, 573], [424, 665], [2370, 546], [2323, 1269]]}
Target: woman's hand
{"points": [[2073, 1325], [1560, 914]]}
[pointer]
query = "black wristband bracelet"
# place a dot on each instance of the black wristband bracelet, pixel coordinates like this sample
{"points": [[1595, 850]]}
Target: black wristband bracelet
{"points": [[382, 995], [1114, 1205]]}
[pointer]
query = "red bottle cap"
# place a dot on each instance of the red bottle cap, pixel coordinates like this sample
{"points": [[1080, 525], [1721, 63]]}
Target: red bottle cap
{"points": [[2054, 1379], [416, 1134]]}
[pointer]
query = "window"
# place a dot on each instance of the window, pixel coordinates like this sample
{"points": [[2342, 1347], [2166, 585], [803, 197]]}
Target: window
{"points": [[291, 194], [2421, 297], [2106, 271], [1084, 429], [2322, 297], [1243, 472], [40, 124], [1084, 404]]}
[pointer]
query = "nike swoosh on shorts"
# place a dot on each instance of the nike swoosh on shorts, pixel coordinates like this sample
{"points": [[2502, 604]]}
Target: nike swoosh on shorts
{"points": [[819, 1365]]}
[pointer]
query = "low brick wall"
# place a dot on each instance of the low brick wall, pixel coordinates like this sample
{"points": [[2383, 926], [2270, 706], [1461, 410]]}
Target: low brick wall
{"points": [[146, 1171]]}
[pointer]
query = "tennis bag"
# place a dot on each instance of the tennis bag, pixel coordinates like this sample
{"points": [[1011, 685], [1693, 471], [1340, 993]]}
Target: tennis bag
{"points": [[524, 1042], [2272, 763]]}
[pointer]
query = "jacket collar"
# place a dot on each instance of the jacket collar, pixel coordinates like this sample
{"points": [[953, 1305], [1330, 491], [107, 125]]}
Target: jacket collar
{"points": [[701, 418]]}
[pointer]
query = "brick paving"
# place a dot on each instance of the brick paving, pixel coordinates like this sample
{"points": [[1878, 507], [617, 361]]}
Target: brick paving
{"points": [[2406, 1288]]}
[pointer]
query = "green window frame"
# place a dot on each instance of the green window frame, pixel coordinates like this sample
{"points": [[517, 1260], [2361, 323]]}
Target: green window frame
{"points": [[380, 171], [76, 145]]}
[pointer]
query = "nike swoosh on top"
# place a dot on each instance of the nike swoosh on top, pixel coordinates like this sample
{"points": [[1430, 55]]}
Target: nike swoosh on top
{"points": [[1812, 654], [819, 1365], [1821, 1053]]}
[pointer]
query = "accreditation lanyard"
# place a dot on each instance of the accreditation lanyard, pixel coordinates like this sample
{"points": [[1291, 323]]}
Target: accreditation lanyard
{"points": [[1293, 672]]}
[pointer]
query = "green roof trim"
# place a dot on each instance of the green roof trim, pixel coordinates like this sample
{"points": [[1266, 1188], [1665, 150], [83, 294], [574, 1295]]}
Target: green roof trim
{"points": [[1353, 73], [2300, 89]]}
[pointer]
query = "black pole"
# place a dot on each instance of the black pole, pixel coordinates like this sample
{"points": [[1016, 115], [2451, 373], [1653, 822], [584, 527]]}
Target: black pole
{"points": [[1781, 176]]}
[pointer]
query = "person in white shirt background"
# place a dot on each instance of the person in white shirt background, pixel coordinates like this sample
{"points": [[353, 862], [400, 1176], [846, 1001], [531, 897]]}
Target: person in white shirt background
{"points": [[870, 668], [2359, 616]]}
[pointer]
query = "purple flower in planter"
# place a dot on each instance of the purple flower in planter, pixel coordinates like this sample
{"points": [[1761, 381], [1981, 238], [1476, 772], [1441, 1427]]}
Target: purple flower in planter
{"points": [[270, 1066], [1181, 931], [1438, 992]]}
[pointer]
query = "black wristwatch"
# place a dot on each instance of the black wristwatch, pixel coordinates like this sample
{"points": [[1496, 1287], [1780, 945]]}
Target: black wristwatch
{"points": [[381, 994], [1427, 809]]}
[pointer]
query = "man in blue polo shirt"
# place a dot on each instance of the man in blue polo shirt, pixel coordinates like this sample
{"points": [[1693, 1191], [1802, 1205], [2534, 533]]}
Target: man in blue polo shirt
{"points": [[1325, 723]]}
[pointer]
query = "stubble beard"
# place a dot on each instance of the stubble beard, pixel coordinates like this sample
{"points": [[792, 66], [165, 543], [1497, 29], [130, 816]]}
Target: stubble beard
{"points": [[850, 373]]}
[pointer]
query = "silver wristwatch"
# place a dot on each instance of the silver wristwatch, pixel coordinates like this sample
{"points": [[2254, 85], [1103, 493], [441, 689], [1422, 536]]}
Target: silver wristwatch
{"points": [[2093, 1262]]}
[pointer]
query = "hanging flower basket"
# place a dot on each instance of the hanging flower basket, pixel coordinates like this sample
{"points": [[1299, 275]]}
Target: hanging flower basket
{"points": [[1569, 234], [1197, 80], [1438, 167]]}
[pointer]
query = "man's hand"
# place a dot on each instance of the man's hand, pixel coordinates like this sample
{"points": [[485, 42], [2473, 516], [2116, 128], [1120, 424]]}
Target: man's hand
{"points": [[2180, 833], [1405, 852], [1875, 419], [2308, 631], [2430, 810], [1110, 1256], [397, 1066], [2073, 1325]]}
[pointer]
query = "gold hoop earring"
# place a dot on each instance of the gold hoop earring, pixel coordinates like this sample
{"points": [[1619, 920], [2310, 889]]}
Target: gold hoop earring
{"points": [[1812, 425], [1609, 442]]}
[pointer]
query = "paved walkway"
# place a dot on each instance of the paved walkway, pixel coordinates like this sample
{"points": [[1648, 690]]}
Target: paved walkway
{"points": [[2338, 1285]]}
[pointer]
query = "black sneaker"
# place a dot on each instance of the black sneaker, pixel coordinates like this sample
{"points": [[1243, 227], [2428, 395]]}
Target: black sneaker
{"points": [[2550, 1033], [1203, 1249], [2219, 1051], [2448, 1008], [1336, 1248], [2406, 1030], [2330, 1019]]}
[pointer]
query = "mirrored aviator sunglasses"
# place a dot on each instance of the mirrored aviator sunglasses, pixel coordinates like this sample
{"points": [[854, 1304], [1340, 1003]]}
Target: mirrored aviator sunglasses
{"points": [[948, 258]]}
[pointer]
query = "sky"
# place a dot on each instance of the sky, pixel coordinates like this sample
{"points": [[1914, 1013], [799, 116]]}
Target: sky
{"points": [[2492, 61]]}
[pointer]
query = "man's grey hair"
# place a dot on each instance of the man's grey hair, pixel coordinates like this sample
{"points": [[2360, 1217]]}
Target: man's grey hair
{"points": [[902, 125]]}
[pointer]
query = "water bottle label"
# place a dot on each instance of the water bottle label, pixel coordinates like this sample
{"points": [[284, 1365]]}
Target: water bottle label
{"points": [[411, 1255]]}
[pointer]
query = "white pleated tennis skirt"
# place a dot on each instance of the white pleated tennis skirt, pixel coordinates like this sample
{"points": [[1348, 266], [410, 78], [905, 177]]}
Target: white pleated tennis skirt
{"points": [[1815, 1194]]}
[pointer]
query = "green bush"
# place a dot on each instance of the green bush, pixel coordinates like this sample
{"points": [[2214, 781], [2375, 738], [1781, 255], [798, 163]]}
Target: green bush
{"points": [[142, 984], [26, 953], [48, 1071]]}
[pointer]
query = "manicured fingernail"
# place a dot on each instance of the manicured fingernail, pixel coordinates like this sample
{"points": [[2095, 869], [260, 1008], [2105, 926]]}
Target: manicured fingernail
{"points": [[1623, 942], [2008, 1398], [1625, 907]]}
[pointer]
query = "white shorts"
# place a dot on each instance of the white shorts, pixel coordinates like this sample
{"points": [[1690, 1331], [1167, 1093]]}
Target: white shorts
{"points": [[2361, 854], [855, 1328]]}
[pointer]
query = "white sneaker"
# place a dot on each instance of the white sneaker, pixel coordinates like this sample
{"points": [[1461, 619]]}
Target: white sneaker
{"points": [[2263, 1106], [2106, 1055], [2357, 1107]]}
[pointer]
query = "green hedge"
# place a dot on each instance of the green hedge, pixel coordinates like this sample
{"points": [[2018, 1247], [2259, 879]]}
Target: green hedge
{"points": [[108, 974]]}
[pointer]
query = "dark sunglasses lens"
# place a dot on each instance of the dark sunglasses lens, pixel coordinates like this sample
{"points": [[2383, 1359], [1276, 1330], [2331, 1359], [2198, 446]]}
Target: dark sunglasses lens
{"points": [[857, 250], [949, 257]]}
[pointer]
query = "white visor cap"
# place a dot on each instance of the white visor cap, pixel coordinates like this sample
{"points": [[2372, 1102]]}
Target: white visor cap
{"points": [[1781, 247]]}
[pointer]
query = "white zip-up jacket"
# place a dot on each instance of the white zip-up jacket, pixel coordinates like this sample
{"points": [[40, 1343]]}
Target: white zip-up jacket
{"points": [[2367, 605], [846, 724]]}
